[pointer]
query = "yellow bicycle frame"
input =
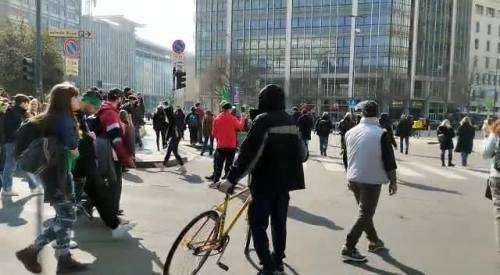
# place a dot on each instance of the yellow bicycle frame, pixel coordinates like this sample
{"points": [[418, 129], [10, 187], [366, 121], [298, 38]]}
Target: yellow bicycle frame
{"points": [[222, 208]]}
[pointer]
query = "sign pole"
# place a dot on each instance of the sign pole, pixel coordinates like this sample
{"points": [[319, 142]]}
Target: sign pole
{"points": [[38, 51]]}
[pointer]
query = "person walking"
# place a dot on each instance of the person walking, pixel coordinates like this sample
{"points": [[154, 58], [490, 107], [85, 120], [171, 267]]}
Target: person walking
{"points": [[13, 118], [201, 116], [370, 164], [346, 124], [403, 131], [491, 147], [466, 133], [160, 126], [4, 103], [59, 122], [445, 136], [180, 119], [224, 131], [273, 154], [323, 129], [296, 114], [306, 125], [386, 124], [174, 136], [192, 122], [207, 133]]}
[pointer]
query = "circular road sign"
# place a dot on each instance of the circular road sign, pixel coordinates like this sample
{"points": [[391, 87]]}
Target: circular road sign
{"points": [[71, 48], [178, 46]]}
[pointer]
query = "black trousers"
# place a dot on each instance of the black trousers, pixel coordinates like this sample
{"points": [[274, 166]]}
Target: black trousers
{"points": [[99, 196], [263, 207], [173, 146], [223, 155], [193, 135], [116, 188], [450, 155], [367, 196], [161, 133]]}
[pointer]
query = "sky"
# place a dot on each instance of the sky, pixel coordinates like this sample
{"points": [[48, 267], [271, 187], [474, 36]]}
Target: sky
{"points": [[165, 20]]}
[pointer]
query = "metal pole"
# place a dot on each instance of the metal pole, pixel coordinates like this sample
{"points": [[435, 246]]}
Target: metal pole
{"points": [[350, 92], [38, 51], [496, 93]]}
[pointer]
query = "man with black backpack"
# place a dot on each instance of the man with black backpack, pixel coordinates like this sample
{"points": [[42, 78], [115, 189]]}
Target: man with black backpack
{"points": [[323, 129], [192, 122]]}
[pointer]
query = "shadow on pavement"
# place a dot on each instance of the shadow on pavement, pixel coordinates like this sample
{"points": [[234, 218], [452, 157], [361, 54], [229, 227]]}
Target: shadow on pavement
{"points": [[427, 187], [124, 256], [250, 260], [309, 218], [370, 269], [10, 213], [132, 178], [387, 257], [428, 157], [194, 179]]}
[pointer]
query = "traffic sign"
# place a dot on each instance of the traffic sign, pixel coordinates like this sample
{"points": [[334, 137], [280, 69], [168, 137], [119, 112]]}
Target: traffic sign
{"points": [[178, 46], [71, 66], [352, 102], [68, 33], [71, 48]]}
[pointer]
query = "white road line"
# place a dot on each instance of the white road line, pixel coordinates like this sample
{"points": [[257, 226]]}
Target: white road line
{"points": [[445, 172], [407, 172]]}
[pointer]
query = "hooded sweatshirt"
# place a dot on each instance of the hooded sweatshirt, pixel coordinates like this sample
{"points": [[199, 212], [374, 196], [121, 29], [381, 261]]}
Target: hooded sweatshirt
{"points": [[224, 129], [113, 128]]}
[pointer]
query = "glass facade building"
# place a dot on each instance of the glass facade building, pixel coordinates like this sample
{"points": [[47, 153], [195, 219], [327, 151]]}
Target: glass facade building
{"points": [[305, 46]]}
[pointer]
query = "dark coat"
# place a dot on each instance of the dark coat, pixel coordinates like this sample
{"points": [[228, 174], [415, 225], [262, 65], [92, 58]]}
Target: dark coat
{"points": [[14, 116], [180, 118], [446, 143], [466, 134], [208, 121], [159, 121], [85, 166], [324, 126], [273, 160], [306, 125], [172, 129], [404, 128], [296, 115]]}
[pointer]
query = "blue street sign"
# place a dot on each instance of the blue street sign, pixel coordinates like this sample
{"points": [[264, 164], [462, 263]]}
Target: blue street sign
{"points": [[178, 46], [71, 48], [352, 102]]}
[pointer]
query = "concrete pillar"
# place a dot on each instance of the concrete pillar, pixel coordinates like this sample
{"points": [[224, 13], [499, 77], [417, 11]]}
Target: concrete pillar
{"points": [[414, 49], [288, 52], [350, 91]]}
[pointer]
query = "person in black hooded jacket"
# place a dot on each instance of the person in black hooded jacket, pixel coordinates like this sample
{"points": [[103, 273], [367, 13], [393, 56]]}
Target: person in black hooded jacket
{"points": [[174, 135], [272, 153]]}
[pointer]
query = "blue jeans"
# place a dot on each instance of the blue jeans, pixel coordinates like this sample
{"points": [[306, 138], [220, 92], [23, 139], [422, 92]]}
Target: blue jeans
{"points": [[323, 144], [407, 141], [465, 156], [10, 166]]}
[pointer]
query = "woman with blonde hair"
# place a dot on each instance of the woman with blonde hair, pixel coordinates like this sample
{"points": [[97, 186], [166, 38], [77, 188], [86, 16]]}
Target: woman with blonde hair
{"points": [[445, 135], [34, 107], [465, 143]]}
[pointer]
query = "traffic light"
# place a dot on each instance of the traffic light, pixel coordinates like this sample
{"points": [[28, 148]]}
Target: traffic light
{"points": [[180, 77], [28, 69]]}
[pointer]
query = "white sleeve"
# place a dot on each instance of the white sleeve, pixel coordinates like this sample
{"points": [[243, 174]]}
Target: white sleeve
{"points": [[489, 143]]}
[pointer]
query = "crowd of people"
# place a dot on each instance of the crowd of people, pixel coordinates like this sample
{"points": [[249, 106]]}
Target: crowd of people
{"points": [[93, 138]]}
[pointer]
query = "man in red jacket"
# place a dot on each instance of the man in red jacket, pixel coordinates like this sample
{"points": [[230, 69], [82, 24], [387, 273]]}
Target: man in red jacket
{"points": [[224, 131]]}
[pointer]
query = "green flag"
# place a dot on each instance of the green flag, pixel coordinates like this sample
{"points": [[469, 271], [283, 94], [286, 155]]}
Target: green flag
{"points": [[224, 93]]}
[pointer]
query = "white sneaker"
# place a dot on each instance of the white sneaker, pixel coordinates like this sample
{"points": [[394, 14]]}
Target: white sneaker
{"points": [[9, 194], [181, 169], [72, 245], [122, 230], [37, 190]]}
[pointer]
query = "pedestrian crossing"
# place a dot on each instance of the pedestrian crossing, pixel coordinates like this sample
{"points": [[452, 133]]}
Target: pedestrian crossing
{"points": [[410, 169]]}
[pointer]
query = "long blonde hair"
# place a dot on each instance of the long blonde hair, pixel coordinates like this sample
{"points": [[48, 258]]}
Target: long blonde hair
{"points": [[466, 120], [446, 123]]}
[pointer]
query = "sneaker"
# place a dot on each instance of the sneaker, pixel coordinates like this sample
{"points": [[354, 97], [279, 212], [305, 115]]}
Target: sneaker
{"points": [[9, 194], [37, 191], [374, 247], [66, 264], [121, 230], [210, 177], [224, 177], [214, 185], [72, 245], [451, 165], [181, 169], [29, 258], [352, 255]]}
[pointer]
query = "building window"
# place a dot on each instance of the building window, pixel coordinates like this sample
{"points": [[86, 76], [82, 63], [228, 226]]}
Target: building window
{"points": [[487, 62], [498, 63], [475, 62], [489, 28], [477, 27], [476, 44], [498, 48], [479, 9], [487, 46], [490, 12]]}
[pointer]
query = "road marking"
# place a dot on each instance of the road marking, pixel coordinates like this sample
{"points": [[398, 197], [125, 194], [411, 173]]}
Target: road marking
{"points": [[445, 172], [407, 172]]}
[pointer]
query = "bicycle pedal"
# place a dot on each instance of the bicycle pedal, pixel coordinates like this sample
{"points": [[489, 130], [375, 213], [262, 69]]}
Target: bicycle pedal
{"points": [[223, 266]]}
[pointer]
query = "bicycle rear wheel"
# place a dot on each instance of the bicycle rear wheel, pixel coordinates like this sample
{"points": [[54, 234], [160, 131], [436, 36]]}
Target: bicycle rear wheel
{"points": [[193, 245]]}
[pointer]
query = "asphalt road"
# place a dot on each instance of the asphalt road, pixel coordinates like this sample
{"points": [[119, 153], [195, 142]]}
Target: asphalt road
{"points": [[438, 223]]}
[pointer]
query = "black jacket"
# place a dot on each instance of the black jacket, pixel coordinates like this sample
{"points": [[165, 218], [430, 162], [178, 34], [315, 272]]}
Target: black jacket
{"points": [[85, 166], [180, 120], [159, 122], [172, 129], [465, 141], [273, 159], [404, 128], [323, 127], [14, 116], [446, 142], [306, 125]]}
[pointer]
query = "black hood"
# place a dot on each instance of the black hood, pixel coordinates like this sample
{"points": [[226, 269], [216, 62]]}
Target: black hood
{"points": [[384, 117], [271, 98]]}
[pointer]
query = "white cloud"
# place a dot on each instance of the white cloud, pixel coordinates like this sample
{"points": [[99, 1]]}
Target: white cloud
{"points": [[165, 20]]}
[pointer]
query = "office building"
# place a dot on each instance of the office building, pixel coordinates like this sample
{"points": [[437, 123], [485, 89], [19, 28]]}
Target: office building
{"points": [[402, 51]]}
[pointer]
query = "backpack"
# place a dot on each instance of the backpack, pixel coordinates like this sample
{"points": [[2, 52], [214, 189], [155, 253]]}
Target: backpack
{"points": [[25, 135], [193, 121], [37, 157], [323, 127]]}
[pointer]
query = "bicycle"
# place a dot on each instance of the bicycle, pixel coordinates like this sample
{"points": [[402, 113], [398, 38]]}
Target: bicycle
{"points": [[210, 238]]}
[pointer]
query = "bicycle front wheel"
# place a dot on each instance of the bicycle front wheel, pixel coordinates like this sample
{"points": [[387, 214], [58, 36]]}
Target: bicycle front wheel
{"points": [[193, 245]]}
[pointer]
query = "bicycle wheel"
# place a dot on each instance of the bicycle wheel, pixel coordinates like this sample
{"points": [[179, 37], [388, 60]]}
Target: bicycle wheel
{"points": [[193, 245]]}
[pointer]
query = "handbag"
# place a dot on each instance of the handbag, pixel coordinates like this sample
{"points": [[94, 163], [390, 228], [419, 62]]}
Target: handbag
{"points": [[487, 193]]}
